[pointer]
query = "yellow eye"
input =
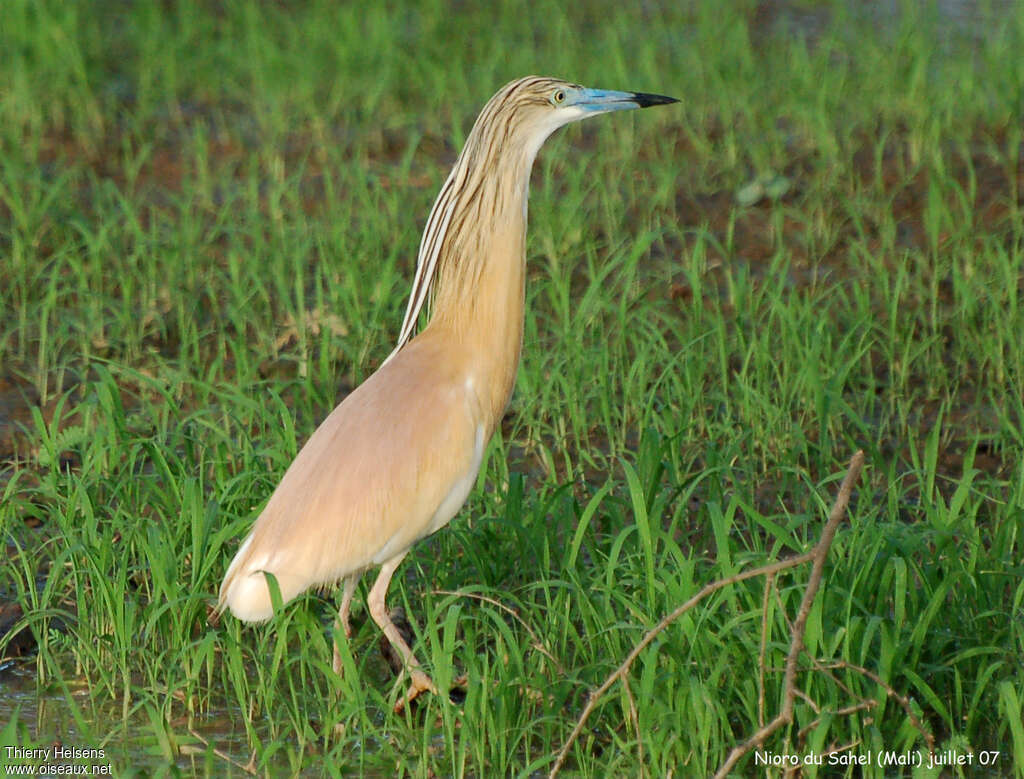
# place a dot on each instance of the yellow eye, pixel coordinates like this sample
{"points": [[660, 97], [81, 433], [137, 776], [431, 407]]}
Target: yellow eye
{"points": [[558, 97]]}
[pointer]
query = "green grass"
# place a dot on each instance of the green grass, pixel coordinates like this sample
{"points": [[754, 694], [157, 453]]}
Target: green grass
{"points": [[208, 221]]}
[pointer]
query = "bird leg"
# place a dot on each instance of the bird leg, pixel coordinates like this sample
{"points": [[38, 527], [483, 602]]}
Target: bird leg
{"points": [[378, 610], [342, 622]]}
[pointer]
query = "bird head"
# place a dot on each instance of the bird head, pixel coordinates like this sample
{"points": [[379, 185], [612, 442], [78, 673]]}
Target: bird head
{"points": [[534, 107]]}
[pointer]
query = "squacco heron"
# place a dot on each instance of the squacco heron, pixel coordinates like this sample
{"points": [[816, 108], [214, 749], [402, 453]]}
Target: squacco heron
{"points": [[395, 461]]}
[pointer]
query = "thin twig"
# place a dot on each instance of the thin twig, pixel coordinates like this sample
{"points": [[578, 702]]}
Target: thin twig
{"points": [[835, 679], [816, 554], [537, 643], [808, 700], [651, 634], [249, 769], [903, 701], [843, 712]]}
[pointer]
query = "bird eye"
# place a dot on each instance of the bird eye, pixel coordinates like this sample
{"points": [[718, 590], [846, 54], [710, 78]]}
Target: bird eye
{"points": [[558, 97]]}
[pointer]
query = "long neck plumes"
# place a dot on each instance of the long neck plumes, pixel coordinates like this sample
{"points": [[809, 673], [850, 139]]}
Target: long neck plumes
{"points": [[482, 201], [486, 228], [471, 259]]}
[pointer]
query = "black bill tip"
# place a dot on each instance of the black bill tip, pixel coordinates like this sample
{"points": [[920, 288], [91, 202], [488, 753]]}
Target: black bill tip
{"points": [[644, 100]]}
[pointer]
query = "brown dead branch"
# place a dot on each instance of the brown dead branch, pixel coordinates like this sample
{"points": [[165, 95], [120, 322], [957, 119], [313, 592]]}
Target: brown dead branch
{"points": [[816, 555], [902, 700]]}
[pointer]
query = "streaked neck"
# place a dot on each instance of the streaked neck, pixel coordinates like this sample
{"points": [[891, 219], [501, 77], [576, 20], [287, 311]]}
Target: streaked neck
{"points": [[479, 294]]}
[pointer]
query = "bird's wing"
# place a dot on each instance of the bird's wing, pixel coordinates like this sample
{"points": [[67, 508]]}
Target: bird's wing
{"points": [[391, 464]]}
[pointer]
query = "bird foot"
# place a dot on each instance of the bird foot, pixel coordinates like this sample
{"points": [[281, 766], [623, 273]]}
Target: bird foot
{"points": [[420, 683], [457, 693]]}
